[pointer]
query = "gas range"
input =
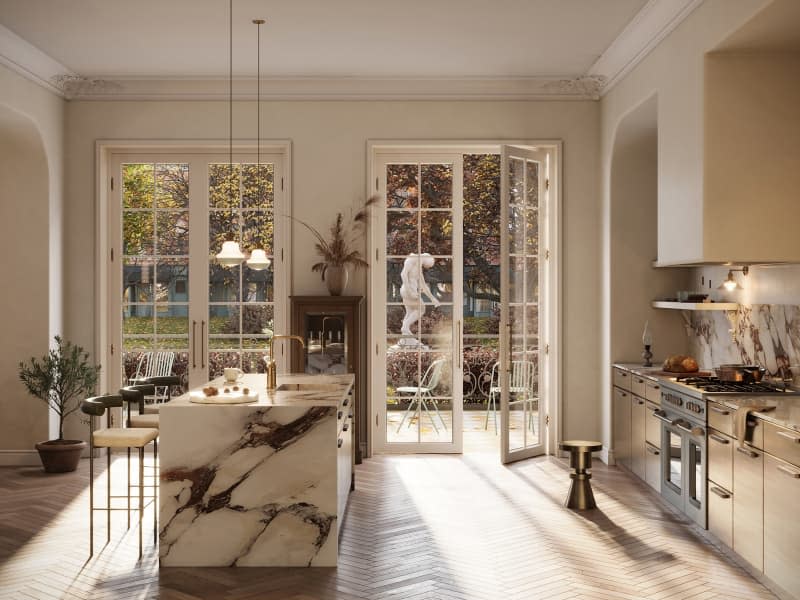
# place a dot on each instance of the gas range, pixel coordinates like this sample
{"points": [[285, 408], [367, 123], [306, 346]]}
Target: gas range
{"points": [[700, 387]]}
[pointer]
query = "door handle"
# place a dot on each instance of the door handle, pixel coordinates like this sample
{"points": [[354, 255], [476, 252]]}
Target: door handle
{"points": [[339, 443], [719, 492], [194, 341], [788, 436], [719, 438], [790, 472], [652, 450], [719, 410], [202, 344], [459, 355], [747, 452], [640, 402], [683, 426], [661, 416]]}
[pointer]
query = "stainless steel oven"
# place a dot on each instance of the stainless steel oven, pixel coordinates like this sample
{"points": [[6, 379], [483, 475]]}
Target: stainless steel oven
{"points": [[683, 453]]}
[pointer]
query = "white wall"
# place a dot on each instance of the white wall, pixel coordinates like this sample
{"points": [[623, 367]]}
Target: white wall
{"points": [[31, 179], [329, 175], [673, 72]]}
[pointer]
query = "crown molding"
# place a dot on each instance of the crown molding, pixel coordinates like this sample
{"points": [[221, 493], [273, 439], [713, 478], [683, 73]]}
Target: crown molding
{"points": [[30, 62], [656, 20], [338, 88]]}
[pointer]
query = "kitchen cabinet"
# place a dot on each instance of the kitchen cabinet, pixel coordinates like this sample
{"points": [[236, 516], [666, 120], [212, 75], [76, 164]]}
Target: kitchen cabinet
{"points": [[330, 326], [720, 513], [652, 467], [781, 525], [638, 441], [622, 427], [748, 505]]}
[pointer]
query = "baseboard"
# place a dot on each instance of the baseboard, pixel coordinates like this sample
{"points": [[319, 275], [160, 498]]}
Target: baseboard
{"points": [[19, 458], [607, 456]]}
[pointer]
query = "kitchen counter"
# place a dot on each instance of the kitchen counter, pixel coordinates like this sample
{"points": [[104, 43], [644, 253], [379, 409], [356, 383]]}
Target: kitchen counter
{"points": [[257, 484]]}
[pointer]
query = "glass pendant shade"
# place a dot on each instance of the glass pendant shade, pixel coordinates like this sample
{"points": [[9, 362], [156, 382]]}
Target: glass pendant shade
{"points": [[730, 283], [258, 260], [230, 255]]}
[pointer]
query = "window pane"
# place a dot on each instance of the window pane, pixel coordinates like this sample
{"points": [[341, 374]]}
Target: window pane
{"points": [[437, 186], [137, 233], [172, 185], [137, 186], [138, 276], [173, 233], [401, 233], [223, 186], [257, 230], [437, 232], [402, 186], [257, 186]]}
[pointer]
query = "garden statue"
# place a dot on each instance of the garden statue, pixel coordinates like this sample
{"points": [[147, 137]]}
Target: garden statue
{"points": [[411, 291]]}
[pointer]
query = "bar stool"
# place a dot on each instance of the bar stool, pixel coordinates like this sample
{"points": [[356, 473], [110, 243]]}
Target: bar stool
{"points": [[580, 459], [115, 437]]}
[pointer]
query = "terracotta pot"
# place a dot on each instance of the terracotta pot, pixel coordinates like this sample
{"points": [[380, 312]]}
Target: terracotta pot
{"points": [[60, 456], [335, 279]]}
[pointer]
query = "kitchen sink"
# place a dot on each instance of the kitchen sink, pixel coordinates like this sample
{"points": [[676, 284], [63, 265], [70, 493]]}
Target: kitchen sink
{"points": [[308, 387]]}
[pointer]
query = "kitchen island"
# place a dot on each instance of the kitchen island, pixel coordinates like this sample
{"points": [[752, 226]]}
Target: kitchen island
{"points": [[257, 484]]}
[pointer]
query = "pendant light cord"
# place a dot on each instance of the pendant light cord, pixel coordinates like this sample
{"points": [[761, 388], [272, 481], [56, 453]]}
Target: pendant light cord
{"points": [[230, 99], [258, 112]]}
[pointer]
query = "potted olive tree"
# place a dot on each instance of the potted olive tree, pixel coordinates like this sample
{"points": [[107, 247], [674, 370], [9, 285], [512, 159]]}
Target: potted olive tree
{"points": [[61, 378]]}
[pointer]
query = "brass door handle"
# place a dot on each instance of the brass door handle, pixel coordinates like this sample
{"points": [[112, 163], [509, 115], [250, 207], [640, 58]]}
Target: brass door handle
{"points": [[747, 452], [719, 438], [790, 472], [719, 492], [661, 416], [202, 344], [788, 436], [339, 443], [194, 341], [652, 450], [719, 410]]}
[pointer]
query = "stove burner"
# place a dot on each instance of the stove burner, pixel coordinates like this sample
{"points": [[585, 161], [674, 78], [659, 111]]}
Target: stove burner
{"points": [[714, 385]]}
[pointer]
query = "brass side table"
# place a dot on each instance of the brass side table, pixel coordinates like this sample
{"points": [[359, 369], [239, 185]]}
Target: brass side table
{"points": [[580, 459]]}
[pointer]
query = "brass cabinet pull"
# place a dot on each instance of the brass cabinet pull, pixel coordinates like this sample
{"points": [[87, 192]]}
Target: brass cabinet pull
{"points": [[652, 450], [202, 344], [346, 401], [194, 340], [623, 374], [339, 443], [661, 416], [719, 438], [639, 401], [345, 427], [640, 381], [719, 410], [747, 452], [339, 415], [719, 492], [459, 354], [623, 394], [790, 472], [788, 436]]}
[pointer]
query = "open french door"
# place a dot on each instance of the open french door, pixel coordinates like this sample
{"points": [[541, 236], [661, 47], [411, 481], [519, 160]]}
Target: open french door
{"points": [[524, 189]]}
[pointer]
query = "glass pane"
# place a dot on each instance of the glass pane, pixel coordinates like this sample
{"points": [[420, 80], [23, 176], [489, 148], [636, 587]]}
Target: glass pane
{"points": [[257, 319], [437, 232], [172, 320], [257, 186], [173, 233], [394, 266], [437, 327], [532, 183], [223, 283], [436, 402], [224, 319], [402, 383], [223, 186], [437, 186], [532, 280], [220, 224], [137, 186], [137, 232], [532, 231], [172, 185], [253, 362], [516, 180], [172, 280], [401, 233], [218, 361], [439, 278], [176, 344], [674, 472], [258, 285], [402, 186], [137, 319], [137, 280], [253, 342], [257, 230], [517, 229]]}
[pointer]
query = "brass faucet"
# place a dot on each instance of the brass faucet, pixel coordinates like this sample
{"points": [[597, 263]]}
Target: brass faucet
{"points": [[272, 370], [322, 341]]}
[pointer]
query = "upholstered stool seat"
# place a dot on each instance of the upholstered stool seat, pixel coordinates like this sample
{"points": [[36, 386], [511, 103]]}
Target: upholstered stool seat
{"points": [[146, 420], [116, 437]]}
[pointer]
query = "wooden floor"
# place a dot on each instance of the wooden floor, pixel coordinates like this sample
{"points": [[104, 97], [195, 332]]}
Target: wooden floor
{"points": [[421, 527]]}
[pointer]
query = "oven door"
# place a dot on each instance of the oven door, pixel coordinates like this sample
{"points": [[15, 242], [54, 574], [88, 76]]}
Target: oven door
{"points": [[695, 473], [673, 451]]}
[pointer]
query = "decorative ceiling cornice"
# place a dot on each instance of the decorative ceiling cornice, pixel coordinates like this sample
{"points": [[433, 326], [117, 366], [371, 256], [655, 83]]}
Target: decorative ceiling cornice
{"points": [[656, 20], [652, 24]]}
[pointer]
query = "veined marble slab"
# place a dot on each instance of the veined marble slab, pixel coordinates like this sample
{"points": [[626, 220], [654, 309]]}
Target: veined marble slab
{"points": [[251, 485]]}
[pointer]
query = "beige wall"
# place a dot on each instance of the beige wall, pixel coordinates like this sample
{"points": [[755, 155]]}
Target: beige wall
{"points": [[31, 138], [329, 174], [673, 72]]}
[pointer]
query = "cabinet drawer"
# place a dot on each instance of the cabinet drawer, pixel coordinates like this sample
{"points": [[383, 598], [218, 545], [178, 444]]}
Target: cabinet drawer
{"points": [[748, 505], [781, 526], [652, 426], [652, 474], [720, 459], [720, 418], [783, 443], [638, 386], [720, 513], [653, 391], [622, 379]]}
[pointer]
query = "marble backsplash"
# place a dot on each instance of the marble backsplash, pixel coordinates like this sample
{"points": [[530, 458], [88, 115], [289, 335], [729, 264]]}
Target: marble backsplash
{"points": [[764, 334]]}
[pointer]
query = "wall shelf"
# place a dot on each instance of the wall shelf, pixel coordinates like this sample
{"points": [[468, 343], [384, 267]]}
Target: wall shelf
{"points": [[695, 305]]}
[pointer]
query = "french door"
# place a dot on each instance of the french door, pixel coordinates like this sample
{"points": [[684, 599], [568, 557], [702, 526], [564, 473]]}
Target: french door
{"points": [[524, 258], [417, 304], [168, 217]]}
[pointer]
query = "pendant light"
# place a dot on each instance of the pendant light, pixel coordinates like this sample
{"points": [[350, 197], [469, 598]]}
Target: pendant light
{"points": [[231, 254], [258, 260]]}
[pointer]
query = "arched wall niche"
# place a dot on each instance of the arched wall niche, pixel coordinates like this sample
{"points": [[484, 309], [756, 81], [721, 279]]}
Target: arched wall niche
{"points": [[24, 303]]}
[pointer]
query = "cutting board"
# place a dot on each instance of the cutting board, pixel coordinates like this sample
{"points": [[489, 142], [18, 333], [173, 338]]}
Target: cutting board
{"points": [[680, 375], [198, 397]]}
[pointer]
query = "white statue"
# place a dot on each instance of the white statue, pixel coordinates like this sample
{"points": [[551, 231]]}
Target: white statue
{"points": [[414, 285]]}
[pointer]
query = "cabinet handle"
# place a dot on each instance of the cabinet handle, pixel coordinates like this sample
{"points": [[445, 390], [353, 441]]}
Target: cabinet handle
{"points": [[719, 492], [623, 394], [652, 450], [339, 443], [656, 387], [683, 426], [346, 401], [790, 472], [639, 401], [623, 374], [339, 415], [640, 381], [661, 416], [459, 354], [345, 427], [194, 340], [203, 344], [719, 410], [719, 438], [788, 436], [747, 452]]}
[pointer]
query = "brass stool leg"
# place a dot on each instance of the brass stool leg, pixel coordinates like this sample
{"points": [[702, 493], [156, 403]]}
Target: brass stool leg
{"points": [[108, 494], [129, 488], [156, 482], [91, 495], [580, 491], [141, 495]]}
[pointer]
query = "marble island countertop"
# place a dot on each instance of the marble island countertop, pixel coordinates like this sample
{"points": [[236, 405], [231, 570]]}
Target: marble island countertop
{"points": [[323, 390]]}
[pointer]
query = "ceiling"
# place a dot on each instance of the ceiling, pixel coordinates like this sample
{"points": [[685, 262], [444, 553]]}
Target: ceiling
{"points": [[127, 43]]}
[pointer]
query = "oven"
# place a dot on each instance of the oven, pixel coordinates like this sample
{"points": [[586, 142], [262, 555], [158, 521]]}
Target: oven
{"points": [[683, 453]]}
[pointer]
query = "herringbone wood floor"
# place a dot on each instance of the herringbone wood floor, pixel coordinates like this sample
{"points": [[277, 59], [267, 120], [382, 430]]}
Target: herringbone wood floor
{"points": [[418, 527]]}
